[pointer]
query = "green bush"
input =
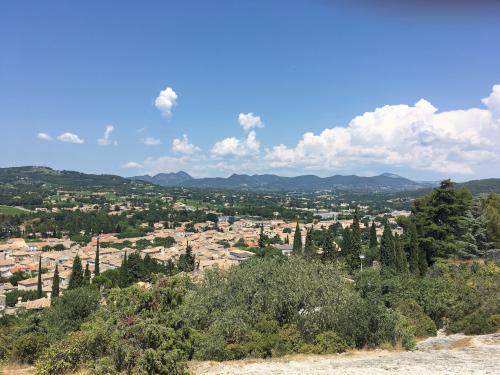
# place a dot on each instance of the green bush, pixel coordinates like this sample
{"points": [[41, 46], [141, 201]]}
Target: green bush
{"points": [[329, 342]]}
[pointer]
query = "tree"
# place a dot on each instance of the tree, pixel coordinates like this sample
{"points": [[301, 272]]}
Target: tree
{"points": [[55, 283], [413, 249], [76, 277], [401, 263], [187, 261], [329, 249], [123, 280], [355, 243], [373, 236], [136, 269], [297, 240], [441, 219], [96, 262], [422, 262], [39, 287], [387, 254], [87, 275], [346, 242], [309, 248], [262, 238]]}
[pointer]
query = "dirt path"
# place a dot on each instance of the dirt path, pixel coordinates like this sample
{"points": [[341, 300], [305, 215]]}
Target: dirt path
{"points": [[455, 354]]}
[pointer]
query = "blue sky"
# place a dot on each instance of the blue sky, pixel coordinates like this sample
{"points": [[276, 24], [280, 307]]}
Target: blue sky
{"points": [[306, 76]]}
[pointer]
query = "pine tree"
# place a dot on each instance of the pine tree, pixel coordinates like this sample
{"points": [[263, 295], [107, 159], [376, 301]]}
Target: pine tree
{"points": [[355, 245], [387, 253], [87, 275], [39, 288], [96, 262], [297, 240], [55, 283], [401, 263], [76, 277], [123, 280], [413, 249], [373, 236], [309, 248]]}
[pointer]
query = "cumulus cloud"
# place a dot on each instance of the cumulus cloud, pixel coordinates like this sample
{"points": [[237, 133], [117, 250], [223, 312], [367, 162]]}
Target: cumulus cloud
{"points": [[164, 164], [150, 141], [44, 137], [70, 138], [417, 136], [105, 140], [183, 146], [237, 147], [165, 101], [132, 164], [249, 121]]}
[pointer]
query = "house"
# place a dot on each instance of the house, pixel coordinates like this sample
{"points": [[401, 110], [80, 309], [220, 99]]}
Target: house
{"points": [[286, 249], [240, 255]]}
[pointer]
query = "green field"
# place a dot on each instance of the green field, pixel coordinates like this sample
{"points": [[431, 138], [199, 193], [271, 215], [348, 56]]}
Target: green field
{"points": [[7, 210]]}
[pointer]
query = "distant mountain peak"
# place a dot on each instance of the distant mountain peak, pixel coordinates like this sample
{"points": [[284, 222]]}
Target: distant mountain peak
{"points": [[391, 175]]}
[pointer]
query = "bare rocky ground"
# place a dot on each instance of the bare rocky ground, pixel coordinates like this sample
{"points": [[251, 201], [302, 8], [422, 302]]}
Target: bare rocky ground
{"points": [[454, 354]]}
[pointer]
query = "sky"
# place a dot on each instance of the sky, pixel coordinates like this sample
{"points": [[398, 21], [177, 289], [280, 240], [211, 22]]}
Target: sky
{"points": [[220, 87]]}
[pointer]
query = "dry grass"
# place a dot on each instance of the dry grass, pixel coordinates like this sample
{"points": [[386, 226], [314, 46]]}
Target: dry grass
{"points": [[466, 342]]}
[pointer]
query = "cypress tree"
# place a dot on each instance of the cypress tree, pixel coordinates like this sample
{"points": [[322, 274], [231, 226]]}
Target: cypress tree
{"points": [[55, 283], [413, 249], [346, 241], [187, 261], [39, 287], [262, 240], [329, 250], [76, 277], [96, 262], [86, 275], [309, 249], [355, 245], [124, 279], [373, 236], [387, 253], [422, 262], [287, 240], [297, 240], [401, 264]]}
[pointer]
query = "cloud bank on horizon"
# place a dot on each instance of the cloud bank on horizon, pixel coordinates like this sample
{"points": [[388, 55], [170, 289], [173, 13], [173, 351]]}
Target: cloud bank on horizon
{"points": [[418, 136], [410, 136]]}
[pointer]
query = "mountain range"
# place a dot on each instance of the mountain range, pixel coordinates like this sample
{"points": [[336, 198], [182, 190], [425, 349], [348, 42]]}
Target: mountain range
{"points": [[270, 182]]}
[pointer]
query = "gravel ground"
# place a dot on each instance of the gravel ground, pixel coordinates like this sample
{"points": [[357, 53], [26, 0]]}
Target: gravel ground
{"points": [[454, 354]]}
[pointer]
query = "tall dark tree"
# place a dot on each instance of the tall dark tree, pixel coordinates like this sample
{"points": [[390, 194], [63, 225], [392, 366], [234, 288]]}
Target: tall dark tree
{"points": [[422, 262], [373, 236], [136, 269], [329, 249], [413, 249], [39, 287], [187, 261], [76, 276], [401, 262], [346, 242], [262, 237], [355, 245], [123, 280], [297, 240], [55, 283], [309, 248], [97, 260], [441, 219], [387, 253], [87, 275]]}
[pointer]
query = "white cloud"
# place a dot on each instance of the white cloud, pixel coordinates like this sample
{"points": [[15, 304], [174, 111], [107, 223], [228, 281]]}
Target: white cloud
{"points": [[417, 137], [132, 164], [493, 101], [105, 141], [249, 121], [165, 101], [150, 141], [183, 146], [70, 138], [237, 147], [164, 164], [44, 137]]}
